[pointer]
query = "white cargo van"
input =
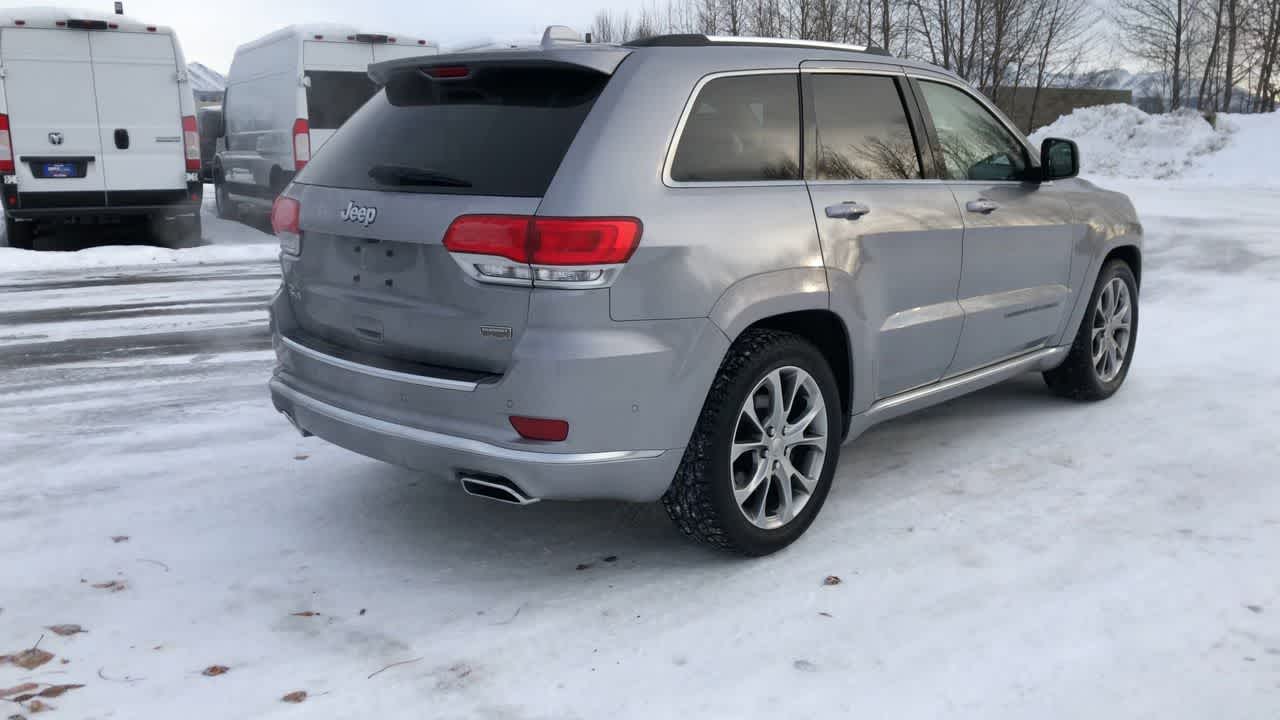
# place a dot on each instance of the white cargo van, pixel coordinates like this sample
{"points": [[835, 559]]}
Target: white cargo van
{"points": [[287, 92], [97, 123]]}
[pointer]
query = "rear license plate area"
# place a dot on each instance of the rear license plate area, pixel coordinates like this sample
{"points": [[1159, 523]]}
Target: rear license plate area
{"points": [[58, 170]]}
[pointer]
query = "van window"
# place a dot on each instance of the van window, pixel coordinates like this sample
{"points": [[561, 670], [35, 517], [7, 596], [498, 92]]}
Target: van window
{"points": [[742, 129], [334, 96], [501, 131], [862, 132]]}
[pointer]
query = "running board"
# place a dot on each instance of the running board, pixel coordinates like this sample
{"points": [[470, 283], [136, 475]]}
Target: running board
{"points": [[951, 388]]}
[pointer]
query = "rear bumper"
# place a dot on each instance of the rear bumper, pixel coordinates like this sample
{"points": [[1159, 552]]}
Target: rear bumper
{"points": [[631, 393], [637, 475], [36, 205]]}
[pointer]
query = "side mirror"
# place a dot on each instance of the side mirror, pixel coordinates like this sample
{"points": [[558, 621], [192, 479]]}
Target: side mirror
{"points": [[1059, 159]]}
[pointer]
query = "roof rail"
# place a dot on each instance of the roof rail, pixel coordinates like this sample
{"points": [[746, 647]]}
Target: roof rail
{"points": [[699, 40]]}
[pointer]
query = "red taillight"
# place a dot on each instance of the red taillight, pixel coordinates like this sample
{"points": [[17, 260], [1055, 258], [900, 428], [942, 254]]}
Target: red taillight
{"points": [[301, 144], [546, 241], [450, 72], [191, 139], [504, 236], [284, 215], [584, 241], [540, 428], [6, 147]]}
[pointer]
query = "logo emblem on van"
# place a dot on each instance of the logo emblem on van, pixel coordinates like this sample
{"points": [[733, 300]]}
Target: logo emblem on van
{"points": [[55, 138], [354, 213]]}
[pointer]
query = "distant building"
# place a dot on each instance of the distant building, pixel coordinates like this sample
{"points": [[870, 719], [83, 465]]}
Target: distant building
{"points": [[1053, 103]]}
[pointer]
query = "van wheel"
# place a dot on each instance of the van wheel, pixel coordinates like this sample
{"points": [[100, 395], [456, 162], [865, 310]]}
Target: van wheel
{"points": [[760, 462], [1102, 352], [21, 235], [222, 200]]}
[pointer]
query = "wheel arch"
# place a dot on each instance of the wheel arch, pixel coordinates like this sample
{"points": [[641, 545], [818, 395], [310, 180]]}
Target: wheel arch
{"points": [[1131, 254], [828, 333]]}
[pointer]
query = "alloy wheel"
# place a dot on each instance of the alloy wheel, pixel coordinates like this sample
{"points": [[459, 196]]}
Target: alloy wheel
{"points": [[780, 443], [1112, 323]]}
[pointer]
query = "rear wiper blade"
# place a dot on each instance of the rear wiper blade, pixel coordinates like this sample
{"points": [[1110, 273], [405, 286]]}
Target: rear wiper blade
{"points": [[401, 175]]}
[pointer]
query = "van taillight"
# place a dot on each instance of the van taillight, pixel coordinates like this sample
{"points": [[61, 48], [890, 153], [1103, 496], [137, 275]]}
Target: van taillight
{"points": [[6, 147], [551, 252], [301, 144], [191, 139]]}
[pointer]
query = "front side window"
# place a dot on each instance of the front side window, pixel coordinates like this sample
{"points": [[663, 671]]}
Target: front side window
{"points": [[742, 129], [862, 131], [975, 146]]}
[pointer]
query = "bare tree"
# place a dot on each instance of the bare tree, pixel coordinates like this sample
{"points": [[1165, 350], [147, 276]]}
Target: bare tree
{"points": [[1157, 31]]}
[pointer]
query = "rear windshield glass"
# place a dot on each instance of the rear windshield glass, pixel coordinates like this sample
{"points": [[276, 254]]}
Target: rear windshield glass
{"points": [[334, 96], [501, 131]]}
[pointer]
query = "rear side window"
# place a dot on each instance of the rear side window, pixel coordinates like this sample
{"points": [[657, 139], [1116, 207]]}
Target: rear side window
{"points": [[334, 96], [742, 129], [499, 131], [862, 131]]}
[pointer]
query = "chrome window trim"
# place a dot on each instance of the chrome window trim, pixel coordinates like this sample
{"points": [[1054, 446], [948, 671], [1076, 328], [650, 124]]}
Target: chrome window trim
{"points": [[426, 381], [684, 119]]}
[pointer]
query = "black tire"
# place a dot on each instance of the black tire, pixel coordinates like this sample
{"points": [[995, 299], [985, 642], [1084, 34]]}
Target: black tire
{"points": [[21, 235], [1077, 378], [226, 208], [700, 500]]}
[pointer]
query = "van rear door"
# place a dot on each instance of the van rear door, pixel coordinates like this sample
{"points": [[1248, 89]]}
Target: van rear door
{"points": [[337, 85], [136, 80], [53, 117]]}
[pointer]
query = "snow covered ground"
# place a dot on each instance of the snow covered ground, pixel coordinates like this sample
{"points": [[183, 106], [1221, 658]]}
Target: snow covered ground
{"points": [[1007, 555]]}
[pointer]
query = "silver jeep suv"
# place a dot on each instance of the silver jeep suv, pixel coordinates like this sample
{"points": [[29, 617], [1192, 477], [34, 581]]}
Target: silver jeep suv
{"points": [[685, 268]]}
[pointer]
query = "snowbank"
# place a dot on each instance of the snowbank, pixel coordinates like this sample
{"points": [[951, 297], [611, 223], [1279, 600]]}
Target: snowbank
{"points": [[1123, 141], [13, 260]]}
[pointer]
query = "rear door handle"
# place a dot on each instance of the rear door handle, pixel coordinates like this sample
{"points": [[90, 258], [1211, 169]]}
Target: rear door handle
{"points": [[982, 205], [847, 210]]}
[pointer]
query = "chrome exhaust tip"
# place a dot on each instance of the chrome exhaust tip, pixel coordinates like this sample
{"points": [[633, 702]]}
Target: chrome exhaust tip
{"points": [[498, 489]]}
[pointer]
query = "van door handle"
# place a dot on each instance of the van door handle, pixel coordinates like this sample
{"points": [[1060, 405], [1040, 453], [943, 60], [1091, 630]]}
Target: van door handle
{"points": [[122, 139], [847, 210], [982, 205]]}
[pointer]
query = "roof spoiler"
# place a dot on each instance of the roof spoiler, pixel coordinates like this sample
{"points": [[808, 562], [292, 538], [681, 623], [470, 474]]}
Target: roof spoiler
{"points": [[603, 59]]}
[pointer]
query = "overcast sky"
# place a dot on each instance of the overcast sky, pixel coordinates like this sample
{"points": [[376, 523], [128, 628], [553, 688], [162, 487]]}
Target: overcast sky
{"points": [[210, 30]]}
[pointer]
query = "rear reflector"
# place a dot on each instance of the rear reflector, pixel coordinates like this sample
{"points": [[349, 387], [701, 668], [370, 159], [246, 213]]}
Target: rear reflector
{"points": [[301, 144], [540, 428], [191, 139], [6, 147], [546, 241]]}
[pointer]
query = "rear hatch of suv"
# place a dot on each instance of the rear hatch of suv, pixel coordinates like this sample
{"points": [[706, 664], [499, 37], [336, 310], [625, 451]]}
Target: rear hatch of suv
{"points": [[475, 136]]}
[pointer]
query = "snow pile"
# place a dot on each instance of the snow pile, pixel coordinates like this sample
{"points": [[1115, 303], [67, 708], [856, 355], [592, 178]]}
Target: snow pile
{"points": [[1123, 141], [1250, 157], [205, 78], [13, 260]]}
